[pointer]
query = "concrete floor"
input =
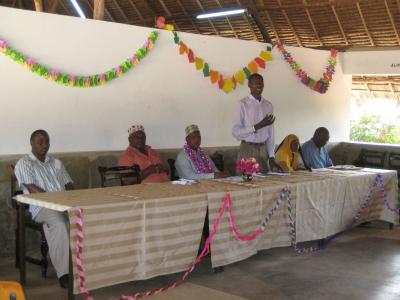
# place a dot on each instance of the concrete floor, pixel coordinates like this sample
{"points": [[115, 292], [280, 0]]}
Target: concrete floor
{"points": [[363, 264]]}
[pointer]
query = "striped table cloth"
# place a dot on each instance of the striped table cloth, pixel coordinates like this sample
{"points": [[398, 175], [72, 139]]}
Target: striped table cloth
{"points": [[141, 231]]}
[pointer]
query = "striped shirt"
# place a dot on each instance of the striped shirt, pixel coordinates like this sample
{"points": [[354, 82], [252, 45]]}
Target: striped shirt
{"points": [[49, 175]]}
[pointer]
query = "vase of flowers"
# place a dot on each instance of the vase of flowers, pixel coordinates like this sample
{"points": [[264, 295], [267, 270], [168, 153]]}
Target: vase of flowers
{"points": [[247, 166]]}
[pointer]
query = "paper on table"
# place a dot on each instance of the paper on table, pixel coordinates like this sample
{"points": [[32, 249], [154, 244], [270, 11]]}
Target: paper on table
{"points": [[271, 174], [183, 181]]}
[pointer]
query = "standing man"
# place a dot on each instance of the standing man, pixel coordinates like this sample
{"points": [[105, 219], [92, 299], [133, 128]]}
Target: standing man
{"points": [[254, 126], [39, 173], [314, 152]]}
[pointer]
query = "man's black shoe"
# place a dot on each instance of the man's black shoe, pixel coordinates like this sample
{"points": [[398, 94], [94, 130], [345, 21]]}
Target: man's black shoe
{"points": [[64, 280]]}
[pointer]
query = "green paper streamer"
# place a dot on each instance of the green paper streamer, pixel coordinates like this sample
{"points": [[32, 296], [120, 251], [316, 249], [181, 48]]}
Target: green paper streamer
{"points": [[247, 72], [63, 78], [206, 70]]}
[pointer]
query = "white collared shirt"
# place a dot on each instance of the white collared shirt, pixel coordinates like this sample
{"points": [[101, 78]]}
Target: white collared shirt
{"points": [[250, 112], [49, 175]]}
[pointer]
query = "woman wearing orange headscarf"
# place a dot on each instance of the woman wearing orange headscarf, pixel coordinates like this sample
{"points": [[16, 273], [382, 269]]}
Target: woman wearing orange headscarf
{"points": [[288, 155]]}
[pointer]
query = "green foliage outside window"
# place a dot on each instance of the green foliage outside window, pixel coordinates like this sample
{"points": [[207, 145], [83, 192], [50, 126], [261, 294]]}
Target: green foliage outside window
{"points": [[373, 128]]}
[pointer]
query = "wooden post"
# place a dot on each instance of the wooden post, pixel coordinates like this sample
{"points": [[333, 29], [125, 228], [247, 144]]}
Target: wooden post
{"points": [[98, 10], [38, 5]]}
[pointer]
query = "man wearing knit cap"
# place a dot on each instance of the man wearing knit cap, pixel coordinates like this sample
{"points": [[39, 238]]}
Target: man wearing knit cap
{"points": [[151, 167], [192, 162]]}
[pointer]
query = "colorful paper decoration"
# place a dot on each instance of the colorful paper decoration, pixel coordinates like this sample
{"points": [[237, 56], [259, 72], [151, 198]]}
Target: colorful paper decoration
{"points": [[229, 83], [78, 80], [321, 86]]}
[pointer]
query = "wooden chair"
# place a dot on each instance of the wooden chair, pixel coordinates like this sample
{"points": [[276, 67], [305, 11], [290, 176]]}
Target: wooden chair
{"points": [[119, 174], [172, 169], [371, 159], [218, 160], [29, 223]]}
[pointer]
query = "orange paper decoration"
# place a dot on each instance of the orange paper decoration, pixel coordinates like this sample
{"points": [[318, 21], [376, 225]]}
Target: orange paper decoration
{"points": [[183, 48], [214, 76]]}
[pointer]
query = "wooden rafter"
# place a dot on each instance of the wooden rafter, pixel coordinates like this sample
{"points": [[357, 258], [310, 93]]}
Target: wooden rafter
{"points": [[98, 9], [290, 25], [246, 18], [252, 12], [186, 14], [66, 8], [53, 6], [339, 24], [312, 23], [168, 13], [38, 5], [272, 24], [105, 9], [364, 24], [120, 11], [137, 12], [227, 19], [392, 21], [209, 21]]}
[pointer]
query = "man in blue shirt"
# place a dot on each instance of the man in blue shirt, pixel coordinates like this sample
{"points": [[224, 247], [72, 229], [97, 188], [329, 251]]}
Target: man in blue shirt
{"points": [[314, 152]]}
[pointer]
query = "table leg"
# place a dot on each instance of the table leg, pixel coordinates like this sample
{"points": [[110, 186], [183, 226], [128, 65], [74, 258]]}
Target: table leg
{"points": [[21, 237]]}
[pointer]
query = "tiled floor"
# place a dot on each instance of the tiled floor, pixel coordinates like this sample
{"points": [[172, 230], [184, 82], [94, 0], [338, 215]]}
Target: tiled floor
{"points": [[363, 264]]}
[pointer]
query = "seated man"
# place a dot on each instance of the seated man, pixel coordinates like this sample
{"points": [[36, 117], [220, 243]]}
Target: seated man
{"points": [[192, 162], [38, 173], [151, 167], [314, 152]]}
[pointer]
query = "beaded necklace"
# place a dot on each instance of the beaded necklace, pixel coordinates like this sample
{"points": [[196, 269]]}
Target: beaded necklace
{"points": [[203, 164]]}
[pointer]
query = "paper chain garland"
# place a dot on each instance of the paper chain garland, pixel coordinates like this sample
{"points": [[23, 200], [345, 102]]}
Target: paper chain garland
{"points": [[78, 80], [321, 85], [229, 83], [227, 204]]}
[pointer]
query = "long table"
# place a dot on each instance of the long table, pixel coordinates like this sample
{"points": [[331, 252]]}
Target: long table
{"points": [[141, 231]]}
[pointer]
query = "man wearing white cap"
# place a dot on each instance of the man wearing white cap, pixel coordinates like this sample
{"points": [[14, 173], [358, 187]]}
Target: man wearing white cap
{"points": [[151, 167], [192, 162]]}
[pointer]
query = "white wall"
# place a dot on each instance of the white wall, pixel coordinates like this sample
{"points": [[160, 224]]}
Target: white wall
{"points": [[376, 62], [164, 92]]}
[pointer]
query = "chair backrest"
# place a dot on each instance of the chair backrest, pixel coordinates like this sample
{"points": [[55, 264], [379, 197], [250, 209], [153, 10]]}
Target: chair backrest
{"points": [[371, 159], [123, 175], [13, 182], [218, 160], [172, 169]]}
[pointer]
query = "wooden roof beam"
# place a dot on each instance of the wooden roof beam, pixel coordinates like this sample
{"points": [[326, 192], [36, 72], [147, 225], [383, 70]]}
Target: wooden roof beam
{"points": [[167, 11], [138, 12], [186, 14], [209, 21], [227, 19], [290, 25], [98, 9], [340, 25], [91, 7], [38, 5], [121, 11], [312, 23], [365, 24], [392, 21], [53, 6], [251, 8]]}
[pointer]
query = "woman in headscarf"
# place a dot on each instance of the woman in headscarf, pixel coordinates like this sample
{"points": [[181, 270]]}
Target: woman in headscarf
{"points": [[288, 155]]}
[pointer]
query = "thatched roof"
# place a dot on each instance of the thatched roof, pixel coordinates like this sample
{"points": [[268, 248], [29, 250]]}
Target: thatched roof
{"points": [[322, 24]]}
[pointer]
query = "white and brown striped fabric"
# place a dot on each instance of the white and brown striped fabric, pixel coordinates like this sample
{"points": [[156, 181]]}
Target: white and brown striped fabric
{"points": [[141, 231]]}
